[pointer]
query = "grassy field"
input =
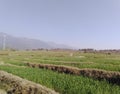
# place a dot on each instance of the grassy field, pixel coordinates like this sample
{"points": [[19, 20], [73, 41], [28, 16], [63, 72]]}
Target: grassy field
{"points": [[13, 62], [80, 60]]}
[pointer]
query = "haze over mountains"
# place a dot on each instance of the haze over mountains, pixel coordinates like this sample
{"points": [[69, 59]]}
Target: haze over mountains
{"points": [[12, 42]]}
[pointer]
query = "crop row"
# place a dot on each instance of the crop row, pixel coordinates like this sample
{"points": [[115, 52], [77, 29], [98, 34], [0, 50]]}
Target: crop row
{"points": [[112, 77], [65, 84]]}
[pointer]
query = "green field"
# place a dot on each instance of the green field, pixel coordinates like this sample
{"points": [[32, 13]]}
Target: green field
{"points": [[13, 62]]}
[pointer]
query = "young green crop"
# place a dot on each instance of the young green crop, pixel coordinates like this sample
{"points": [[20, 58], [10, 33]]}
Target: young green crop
{"points": [[65, 84], [80, 60]]}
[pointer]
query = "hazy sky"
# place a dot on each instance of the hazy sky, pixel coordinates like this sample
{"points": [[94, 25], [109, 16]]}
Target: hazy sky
{"points": [[79, 23]]}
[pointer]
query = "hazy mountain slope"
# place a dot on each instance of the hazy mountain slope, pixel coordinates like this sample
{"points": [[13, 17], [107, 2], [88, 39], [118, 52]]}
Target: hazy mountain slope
{"points": [[25, 43]]}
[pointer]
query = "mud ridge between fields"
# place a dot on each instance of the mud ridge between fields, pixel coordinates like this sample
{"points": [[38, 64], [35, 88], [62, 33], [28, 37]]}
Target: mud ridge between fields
{"points": [[16, 85], [110, 76]]}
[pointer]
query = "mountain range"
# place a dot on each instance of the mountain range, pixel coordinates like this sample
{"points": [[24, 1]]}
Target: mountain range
{"points": [[20, 43]]}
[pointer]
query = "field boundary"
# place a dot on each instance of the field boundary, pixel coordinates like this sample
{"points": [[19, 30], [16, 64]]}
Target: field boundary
{"points": [[110, 76], [16, 85]]}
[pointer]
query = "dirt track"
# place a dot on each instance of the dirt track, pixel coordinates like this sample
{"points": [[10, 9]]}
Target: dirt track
{"points": [[112, 77], [16, 85]]}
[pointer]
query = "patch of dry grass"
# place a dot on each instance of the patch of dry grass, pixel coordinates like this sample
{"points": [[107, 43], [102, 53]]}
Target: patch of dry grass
{"points": [[17, 85]]}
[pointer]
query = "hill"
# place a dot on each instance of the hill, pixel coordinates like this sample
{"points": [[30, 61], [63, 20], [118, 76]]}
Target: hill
{"points": [[21, 43]]}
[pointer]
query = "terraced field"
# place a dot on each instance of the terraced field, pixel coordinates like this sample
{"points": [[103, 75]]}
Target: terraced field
{"points": [[15, 62]]}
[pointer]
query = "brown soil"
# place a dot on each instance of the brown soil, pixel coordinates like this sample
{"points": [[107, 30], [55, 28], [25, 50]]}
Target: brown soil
{"points": [[112, 77], [16, 85]]}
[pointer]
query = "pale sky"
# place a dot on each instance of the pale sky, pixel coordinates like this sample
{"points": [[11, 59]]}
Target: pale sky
{"points": [[78, 23]]}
